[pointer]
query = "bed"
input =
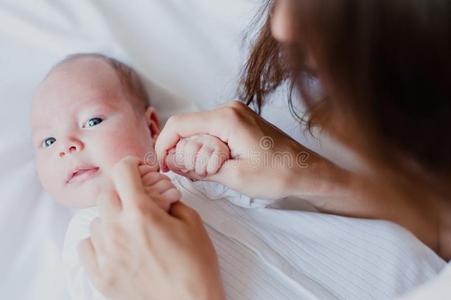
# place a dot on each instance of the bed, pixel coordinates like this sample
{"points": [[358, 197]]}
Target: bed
{"points": [[190, 53]]}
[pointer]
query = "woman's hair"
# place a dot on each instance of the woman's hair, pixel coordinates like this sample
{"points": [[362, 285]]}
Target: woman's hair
{"points": [[386, 69]]}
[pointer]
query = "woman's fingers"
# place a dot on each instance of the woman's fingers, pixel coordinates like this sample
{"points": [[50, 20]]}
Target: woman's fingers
{"points": [[109, 205], [128, 183], [88, 259], [184, 213], [97, 238]]}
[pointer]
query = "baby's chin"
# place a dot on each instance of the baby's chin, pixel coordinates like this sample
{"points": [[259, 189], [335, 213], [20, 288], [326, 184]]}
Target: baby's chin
{"points": [[85, 194]]}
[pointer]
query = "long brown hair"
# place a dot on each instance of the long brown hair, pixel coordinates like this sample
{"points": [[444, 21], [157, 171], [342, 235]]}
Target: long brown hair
{"points": [[386, 69]]}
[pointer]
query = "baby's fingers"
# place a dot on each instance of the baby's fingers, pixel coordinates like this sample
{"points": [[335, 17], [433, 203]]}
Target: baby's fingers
{"points": [[175, 162], [146, 168], [167, 199], [160, 186], [202, 159], [172, 195], [151, 178], [214, 163], [190, 153]]}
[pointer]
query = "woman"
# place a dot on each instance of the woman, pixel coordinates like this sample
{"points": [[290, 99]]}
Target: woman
{"points": [[386, 72]]}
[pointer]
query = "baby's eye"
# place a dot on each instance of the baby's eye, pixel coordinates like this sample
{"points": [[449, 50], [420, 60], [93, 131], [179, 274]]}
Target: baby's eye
{"points": [[48, 142], [92, 122]]}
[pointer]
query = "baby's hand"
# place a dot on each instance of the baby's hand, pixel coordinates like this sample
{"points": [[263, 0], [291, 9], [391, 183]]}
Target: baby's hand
{"points": [[199, 155], [155, 182]]}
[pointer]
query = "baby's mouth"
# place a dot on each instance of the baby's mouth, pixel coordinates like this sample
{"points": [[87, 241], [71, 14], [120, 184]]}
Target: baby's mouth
{"points": [[81, 174]]}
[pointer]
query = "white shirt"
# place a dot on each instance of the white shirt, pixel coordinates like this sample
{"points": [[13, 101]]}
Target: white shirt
{"points": [[438, 289], [279, 254]]}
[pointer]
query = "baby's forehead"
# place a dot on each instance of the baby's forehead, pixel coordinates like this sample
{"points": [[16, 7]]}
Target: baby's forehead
{"points": [[85, 71], [75, 85], [82, 76]]}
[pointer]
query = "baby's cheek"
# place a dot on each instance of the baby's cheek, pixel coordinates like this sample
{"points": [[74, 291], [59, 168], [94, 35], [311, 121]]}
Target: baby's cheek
{"points": [[115, 150], [48, 175]]}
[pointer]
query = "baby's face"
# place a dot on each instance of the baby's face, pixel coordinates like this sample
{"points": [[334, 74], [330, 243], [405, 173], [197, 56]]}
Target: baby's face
{"points": [[82, 125]]}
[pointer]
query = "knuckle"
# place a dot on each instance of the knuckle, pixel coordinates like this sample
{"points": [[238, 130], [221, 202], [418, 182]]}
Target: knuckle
{"points": [[232, 113], [209, 150], [193, 144], [173, 194], [107, 282], [237, 104], [165, 185], [172, 120]]}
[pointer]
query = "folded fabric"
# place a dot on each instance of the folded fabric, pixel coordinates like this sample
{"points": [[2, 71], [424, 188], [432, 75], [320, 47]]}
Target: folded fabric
{"points": [[281, 254]]}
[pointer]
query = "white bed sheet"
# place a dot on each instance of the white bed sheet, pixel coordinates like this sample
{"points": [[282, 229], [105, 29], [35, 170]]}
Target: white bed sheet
{"points": [[190, 53]]}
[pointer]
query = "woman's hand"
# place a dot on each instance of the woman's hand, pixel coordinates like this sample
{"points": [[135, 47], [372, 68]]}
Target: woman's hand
{"points": [[265, 162], [138, 251]]}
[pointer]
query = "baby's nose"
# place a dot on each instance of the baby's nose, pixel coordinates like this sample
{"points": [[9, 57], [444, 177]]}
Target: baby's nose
{"points": [[70, 147]]}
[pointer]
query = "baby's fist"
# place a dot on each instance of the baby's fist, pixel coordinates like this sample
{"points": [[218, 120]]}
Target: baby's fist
{"points": [[202, 155]]}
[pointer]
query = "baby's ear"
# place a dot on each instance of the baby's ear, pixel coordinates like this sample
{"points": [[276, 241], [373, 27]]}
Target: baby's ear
{"points": [[153, 121]]}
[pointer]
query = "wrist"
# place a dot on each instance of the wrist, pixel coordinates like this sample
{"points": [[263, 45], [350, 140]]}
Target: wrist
{"points": [[313, 177], [210, 294]]}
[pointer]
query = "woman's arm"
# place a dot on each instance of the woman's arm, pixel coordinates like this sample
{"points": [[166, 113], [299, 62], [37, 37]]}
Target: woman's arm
{"points": [[266, 163]]}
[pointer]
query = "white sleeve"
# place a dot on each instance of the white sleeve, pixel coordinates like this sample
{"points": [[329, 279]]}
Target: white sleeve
{"points": [[78, 283], [438, 288], [217, 191]]}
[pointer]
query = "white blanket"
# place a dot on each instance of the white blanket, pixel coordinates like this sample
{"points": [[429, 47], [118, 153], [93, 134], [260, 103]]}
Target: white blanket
{"points": [[190, 53], [271, 254]]}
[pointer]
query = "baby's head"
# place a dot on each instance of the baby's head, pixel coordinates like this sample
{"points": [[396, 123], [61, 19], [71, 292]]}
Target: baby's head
{"points": [[88, 113]]}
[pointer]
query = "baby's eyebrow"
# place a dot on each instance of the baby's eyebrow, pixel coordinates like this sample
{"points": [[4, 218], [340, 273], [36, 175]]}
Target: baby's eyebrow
{"points": [[37, 129], [37, 140], [97, 106], [37, 137], [39, 132]]}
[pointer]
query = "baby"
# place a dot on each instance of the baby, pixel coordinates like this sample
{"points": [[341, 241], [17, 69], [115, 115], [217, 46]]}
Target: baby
{"points": [[88, 113]]}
